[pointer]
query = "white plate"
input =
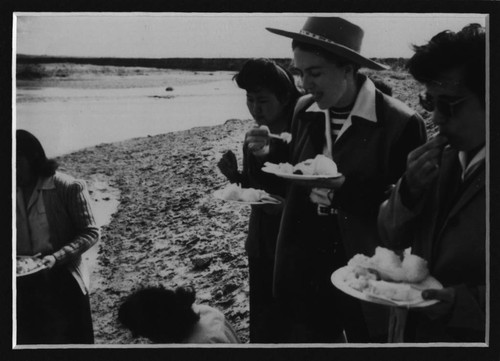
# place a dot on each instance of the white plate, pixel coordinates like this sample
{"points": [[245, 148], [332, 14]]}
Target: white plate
{"points": [[339, 280], [271, 200], [299, 176], [31, 271]]}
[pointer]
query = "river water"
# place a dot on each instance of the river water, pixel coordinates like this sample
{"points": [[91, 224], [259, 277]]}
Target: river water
{"points": [[71, 114]]}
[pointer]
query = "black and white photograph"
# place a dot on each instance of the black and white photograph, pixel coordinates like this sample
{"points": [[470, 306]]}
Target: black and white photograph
{"points": [[277, 181]]}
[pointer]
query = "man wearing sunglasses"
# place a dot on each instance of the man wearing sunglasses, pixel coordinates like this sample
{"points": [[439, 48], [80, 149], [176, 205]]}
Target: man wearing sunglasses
{"points": [[438, 206]]}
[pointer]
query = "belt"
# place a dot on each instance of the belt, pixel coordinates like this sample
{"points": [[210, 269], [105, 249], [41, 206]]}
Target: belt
{"points": [[326, 210]]}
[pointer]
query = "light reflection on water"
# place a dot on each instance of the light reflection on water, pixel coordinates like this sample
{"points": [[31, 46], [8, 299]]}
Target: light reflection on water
{"points": [[73, 117]]}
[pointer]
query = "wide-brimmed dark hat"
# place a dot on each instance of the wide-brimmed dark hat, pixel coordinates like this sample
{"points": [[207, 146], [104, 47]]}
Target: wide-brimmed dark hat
{"points": [[335, 35]]}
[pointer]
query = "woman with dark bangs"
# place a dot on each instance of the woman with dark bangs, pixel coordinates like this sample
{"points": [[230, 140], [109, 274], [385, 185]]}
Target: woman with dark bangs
{"points": [[54, 221], [271, 97]]}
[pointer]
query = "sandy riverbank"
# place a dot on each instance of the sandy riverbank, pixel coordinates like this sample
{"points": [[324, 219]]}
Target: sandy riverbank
{"points": [[166, 218]]}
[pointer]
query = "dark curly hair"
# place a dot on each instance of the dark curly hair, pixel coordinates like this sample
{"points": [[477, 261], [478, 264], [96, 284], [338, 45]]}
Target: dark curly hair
{"points": [[162, 315], [449, 50], [27, 145], [265, 73]]}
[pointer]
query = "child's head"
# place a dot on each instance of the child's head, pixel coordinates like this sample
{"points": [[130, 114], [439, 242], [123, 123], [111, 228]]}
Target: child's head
{"points": [[162, 315]]}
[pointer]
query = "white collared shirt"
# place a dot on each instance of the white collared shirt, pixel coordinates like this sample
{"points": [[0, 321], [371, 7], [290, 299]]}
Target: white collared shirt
{"points": [[33, 233]]}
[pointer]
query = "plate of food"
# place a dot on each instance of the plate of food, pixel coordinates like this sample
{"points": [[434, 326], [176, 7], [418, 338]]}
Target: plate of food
{"points": [[27, 265], [320, 167], [252, 196], [387, 279]]}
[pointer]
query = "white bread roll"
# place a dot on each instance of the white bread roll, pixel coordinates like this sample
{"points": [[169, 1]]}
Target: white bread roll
{"points": [[322, 165], [415, 268]]}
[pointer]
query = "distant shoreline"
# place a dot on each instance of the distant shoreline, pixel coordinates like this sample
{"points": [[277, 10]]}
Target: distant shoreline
{"points": [[202, 64]]}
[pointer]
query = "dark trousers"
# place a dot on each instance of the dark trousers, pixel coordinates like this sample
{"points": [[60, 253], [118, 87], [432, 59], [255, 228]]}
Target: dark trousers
{"points": [[266, 319], [325, 313], [51, 309], [317, 311]]}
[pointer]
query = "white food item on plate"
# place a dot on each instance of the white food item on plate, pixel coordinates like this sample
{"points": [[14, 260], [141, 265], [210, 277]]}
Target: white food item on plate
{"points": [[233, 192], [359, 260], [390, 267], [251, 195], [393, 291], [27, 264], [324, 166], [415, 268], [385, 258], [306, 167], [358, 278], [285, 168], [320, 165]]}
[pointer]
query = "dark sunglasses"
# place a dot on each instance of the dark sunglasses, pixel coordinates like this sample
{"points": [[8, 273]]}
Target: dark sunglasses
{"points": [[445, 107]]}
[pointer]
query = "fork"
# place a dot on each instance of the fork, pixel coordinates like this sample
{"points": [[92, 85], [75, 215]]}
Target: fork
{"points": [[286, 137]]}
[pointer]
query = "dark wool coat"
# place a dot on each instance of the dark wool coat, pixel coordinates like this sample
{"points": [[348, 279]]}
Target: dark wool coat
{"points": [[372, 157], [453, 242]]}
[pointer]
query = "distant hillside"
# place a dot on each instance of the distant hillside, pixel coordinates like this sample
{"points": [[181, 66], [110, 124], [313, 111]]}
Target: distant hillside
{"points": [[201, 64]]}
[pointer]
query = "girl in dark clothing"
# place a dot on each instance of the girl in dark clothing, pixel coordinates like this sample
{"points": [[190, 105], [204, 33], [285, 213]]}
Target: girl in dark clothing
{"points": [[271, 96]]}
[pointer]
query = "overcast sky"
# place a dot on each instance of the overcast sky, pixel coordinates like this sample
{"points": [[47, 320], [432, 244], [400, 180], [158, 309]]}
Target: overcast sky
{"points": [[164, 35]]}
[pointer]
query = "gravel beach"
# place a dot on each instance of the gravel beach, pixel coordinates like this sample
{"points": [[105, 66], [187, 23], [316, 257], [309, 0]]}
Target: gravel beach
{"points": [[163, 225]]}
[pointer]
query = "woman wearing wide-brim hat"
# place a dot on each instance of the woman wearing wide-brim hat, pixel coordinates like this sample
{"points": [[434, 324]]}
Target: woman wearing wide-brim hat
{"points": [[369, 135]]}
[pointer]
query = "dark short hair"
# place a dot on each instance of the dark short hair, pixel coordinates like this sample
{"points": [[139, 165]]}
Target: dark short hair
{"points": [[27, 145], [449, 50], [329, 56], [265, 73], [162, 315]]}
